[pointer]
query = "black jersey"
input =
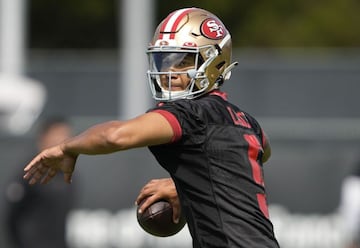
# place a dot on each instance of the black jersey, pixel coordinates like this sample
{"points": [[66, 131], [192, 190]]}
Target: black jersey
{"points": [[215, 162]]}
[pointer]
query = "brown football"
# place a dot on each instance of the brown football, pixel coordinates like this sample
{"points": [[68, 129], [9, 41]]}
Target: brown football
{"points": [[157, 219]]}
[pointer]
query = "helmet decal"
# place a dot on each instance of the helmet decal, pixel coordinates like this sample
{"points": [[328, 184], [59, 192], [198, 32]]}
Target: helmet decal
{"points": [[170, 24], [190, 44], [163, 43], [213, 29]]}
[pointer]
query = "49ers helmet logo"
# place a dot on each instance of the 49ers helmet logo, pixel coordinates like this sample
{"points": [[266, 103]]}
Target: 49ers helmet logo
{"points": [[213, 29]]}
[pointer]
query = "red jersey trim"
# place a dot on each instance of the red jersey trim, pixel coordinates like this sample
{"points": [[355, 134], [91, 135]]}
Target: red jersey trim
{"points": [[173, 121], [219, 93]]}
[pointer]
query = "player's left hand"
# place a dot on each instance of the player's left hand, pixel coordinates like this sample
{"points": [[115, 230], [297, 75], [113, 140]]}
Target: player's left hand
{"points": [[48, 163], [158, 189]]}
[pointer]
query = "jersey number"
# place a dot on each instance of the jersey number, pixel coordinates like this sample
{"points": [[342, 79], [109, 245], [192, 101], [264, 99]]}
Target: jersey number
{"points": [[253, 153], [239, 119]]}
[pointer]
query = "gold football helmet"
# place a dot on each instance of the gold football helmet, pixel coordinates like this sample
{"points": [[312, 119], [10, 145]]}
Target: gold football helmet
{"points": [[195, 40]]}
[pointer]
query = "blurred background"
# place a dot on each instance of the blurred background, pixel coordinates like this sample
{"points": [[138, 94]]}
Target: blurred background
{"points": [[298, 74]]}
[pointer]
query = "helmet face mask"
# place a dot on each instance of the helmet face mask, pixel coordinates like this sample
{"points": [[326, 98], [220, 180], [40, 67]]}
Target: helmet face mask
{"points": [[166, 64], [191, 43]]}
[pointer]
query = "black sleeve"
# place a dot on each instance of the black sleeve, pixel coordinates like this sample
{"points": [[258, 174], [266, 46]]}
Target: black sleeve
{"points": [[190, 117]]}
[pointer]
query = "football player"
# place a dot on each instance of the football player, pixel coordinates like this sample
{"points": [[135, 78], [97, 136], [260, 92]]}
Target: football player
{"points": [[213, 150]]}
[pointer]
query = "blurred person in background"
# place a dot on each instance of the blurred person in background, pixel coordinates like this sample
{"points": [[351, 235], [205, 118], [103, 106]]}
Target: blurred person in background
{"points": [[36, 216], [213, 150], [350, 207]]}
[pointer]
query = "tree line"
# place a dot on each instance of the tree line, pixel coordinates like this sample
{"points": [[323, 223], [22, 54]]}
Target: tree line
{"points": [[259, 23]]}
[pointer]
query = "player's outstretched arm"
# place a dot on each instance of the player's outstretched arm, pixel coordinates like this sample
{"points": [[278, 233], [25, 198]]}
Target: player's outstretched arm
{"points": [[158, 189], [108, 137]]}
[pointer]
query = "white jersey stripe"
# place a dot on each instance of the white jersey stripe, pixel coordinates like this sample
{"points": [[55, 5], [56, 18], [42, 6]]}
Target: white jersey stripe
{"points": [[171, 24]]}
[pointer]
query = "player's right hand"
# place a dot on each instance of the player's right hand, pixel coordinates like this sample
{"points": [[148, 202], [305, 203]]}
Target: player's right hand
{"points": [[48, 163], [158, 189]]}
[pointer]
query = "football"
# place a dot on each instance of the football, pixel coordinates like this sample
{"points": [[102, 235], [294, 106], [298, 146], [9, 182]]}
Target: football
{"points": [[157, 219]]}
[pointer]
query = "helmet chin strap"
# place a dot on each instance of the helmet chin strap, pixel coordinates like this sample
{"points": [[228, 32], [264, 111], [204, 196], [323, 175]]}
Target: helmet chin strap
{"points": [[225, 75], [227, 72]]}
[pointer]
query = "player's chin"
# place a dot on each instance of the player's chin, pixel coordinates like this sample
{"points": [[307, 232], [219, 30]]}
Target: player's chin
{"points": [[176, 88]]}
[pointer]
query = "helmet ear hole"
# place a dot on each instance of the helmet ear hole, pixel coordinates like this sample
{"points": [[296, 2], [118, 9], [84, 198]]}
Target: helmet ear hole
{"points": [[220, 65]]}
